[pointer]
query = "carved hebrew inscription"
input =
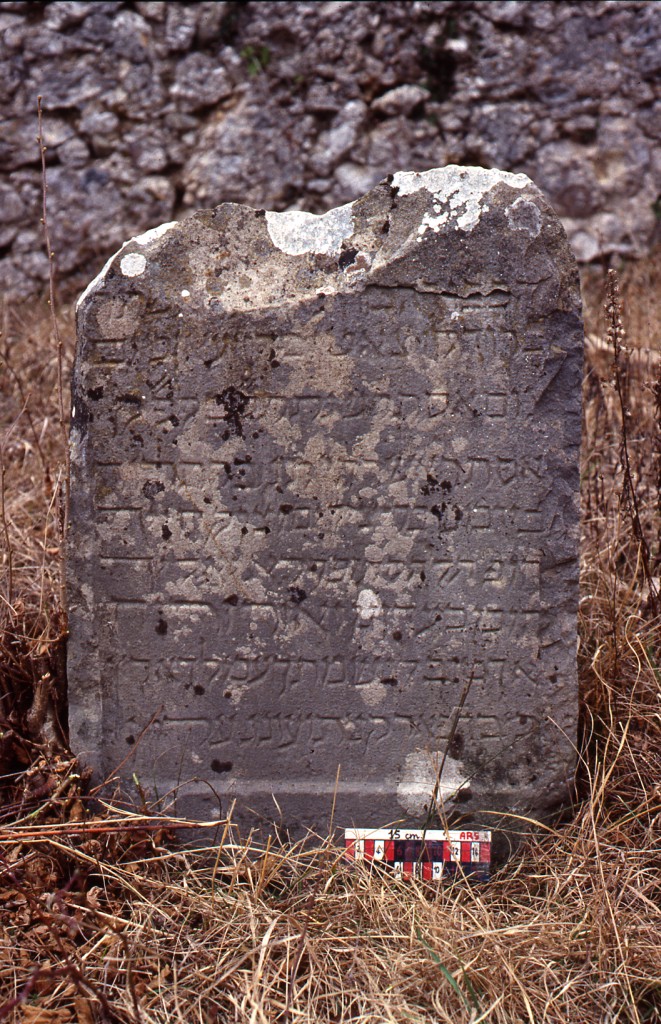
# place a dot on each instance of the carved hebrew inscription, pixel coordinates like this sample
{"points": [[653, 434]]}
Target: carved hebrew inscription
{"points": [[324, 512]]}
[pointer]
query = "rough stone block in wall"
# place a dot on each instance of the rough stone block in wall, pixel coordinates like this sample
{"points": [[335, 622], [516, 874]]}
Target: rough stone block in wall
{"points": [[325, 505]]}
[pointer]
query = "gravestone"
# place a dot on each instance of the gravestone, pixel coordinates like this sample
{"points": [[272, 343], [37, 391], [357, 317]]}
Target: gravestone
{"points": [[324, 508]]}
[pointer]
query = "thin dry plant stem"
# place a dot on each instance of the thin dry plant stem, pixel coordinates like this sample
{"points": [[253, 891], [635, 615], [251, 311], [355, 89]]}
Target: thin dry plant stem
{"points": [[9, 600], [63, 517], [3, 510], [616, 338], [25, 398]]}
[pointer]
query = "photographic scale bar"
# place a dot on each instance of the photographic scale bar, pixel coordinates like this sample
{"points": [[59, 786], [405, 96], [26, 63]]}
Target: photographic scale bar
{"points": [[426, 854]]}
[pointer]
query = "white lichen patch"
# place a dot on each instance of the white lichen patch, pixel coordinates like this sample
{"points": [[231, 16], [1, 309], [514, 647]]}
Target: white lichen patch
{"points": [[525, 216], [133, 264], [373, 693], [420, 781], [297, 232], [144, 239], [369, 605], [459, 193], [388, 544]]}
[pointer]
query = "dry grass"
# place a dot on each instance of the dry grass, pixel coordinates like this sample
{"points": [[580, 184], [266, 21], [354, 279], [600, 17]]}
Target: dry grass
{"points": [[100, 920]]}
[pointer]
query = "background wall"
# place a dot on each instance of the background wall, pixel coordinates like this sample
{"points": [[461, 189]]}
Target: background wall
{"points": [[154, 110]]}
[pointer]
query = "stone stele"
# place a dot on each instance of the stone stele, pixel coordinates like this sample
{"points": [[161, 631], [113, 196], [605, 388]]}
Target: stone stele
{"points": [[324, 509]]}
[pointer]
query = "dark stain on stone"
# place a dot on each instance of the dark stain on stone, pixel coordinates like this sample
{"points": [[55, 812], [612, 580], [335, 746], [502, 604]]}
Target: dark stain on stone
{"points": [[274, 362], [130, 740], [219, 767], [227, 694], [397, 634], [166, 531], [456, 745], [244, 530], [286, 509], [161, 625], [95, 393], [233, 599], [152, 487], [458, 514], [347, 258], [431, 485], [446, 486], [130, 399], [439, 511], [297, 594], [174, 420], [81, 413], [390, 681], [234, 402], [199, 690]]}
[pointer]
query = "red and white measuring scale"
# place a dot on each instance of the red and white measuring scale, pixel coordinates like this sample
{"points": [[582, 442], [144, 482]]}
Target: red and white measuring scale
{"points": [[428, 854]]}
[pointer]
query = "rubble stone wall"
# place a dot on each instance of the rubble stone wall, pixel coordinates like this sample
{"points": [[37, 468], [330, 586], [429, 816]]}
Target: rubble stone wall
{"points": [[153, 110]]}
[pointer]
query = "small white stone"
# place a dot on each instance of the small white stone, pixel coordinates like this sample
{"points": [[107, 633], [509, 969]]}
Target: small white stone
{"points": [[133, 264], [369, 605], [185, 294]]}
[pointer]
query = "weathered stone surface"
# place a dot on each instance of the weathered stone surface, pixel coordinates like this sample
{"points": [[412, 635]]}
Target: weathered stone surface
{"points": [[155, 109], [325, 504]]}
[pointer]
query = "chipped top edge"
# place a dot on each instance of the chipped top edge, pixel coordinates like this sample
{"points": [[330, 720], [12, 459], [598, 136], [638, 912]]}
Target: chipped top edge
{"points": [[296, 232], [441, 181], [150, 236], [144, 239]]}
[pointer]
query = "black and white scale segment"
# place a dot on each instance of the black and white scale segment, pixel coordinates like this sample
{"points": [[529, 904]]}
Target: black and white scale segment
{"points": [[324, 508]]}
